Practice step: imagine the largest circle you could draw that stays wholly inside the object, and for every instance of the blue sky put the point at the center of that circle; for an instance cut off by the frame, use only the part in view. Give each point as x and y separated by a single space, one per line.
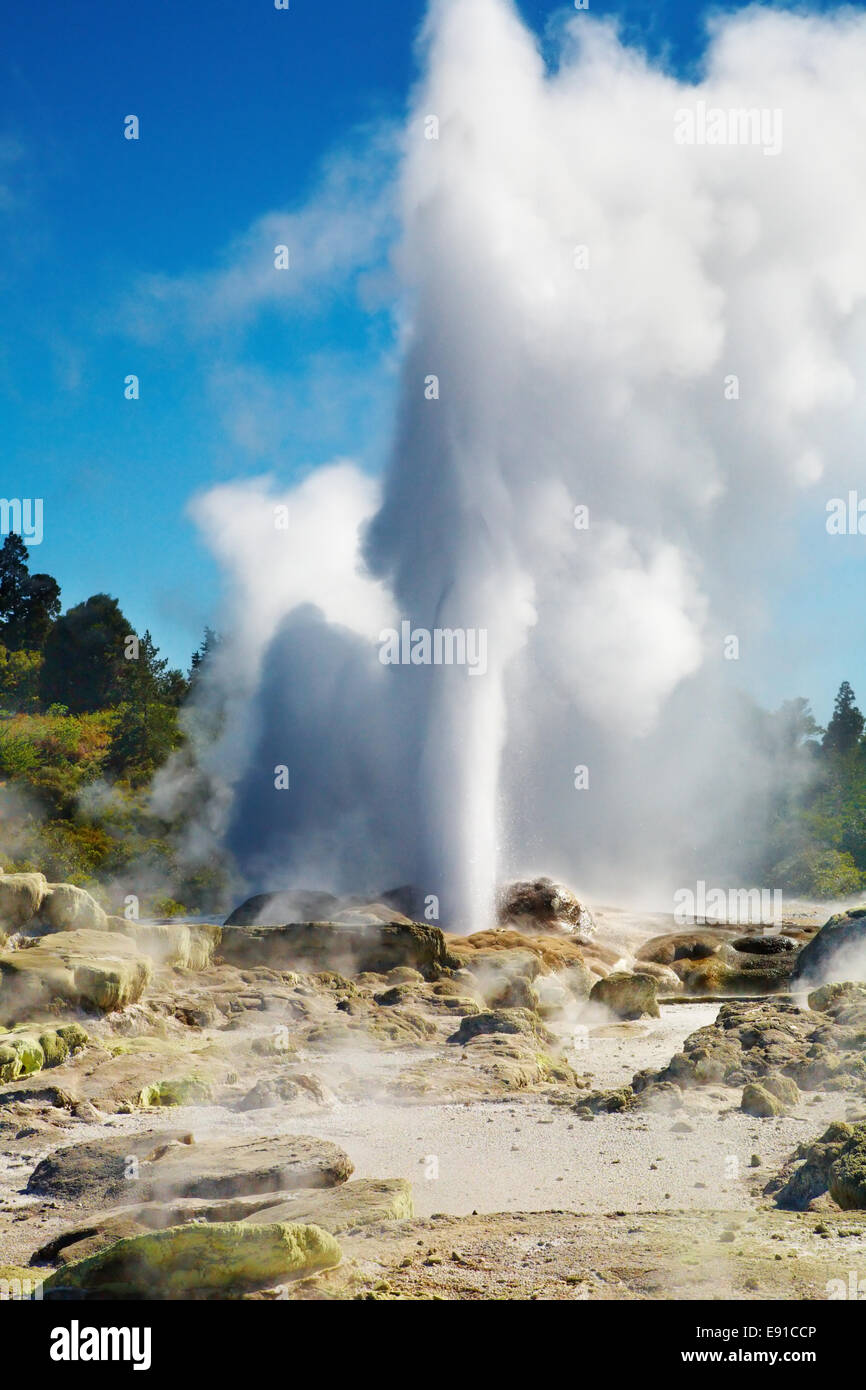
240 107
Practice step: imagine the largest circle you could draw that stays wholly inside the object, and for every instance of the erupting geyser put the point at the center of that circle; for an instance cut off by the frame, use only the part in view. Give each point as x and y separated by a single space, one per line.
613 386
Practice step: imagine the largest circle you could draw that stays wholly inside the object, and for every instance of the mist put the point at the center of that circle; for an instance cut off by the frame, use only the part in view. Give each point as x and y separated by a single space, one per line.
628 370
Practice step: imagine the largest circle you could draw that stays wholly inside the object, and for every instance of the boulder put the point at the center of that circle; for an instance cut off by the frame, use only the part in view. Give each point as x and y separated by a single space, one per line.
359 1203
834 1164
348 950
501 1021
760 1101
29 1049
695 944
188 946
730 970
627 996
66 908
97 971
21 896
847 1175
293 905
538 905
199 1259
159 1166
837 952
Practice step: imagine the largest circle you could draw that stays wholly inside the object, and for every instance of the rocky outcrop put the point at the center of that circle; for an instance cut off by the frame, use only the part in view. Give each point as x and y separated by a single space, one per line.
95 971
30 1049
716 960
348 950
627 996
501 1021
21 896
358 1203
293 905
774 1095
189 946
221 1258
834 1165
157 1166
838 952
67 908
540 905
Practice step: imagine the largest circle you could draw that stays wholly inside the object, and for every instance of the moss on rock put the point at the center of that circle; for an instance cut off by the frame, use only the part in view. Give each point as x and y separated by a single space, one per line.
218 1258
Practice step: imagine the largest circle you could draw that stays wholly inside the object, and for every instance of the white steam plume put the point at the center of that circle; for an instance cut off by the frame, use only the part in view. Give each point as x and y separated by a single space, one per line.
566 378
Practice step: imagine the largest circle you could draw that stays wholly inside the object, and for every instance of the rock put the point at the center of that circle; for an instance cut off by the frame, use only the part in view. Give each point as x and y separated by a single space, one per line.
501 1021
29 1049
98 971
696 944
183 1261
189 946
20 1055
607 1102
847 1175
158 1166
21 896
848 992
627 996
359 1203
293 905
835 1163
667 980
539 905
764 945
179 1090
266 1094
66 908
313 946
837 952
759 1101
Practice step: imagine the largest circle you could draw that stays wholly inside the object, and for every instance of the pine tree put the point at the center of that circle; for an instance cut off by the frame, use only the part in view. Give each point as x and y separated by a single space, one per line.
846 726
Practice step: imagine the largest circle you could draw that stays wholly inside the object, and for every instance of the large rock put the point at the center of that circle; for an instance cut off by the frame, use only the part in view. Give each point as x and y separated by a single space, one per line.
30 1049
97 971
627 996
837 952
774 1095
847 1177
67 908
159 1166
186 945
293 905
185 1261
360 1203
518 1021
347 950
538 905
835 1163
716 960
364 1202
21 896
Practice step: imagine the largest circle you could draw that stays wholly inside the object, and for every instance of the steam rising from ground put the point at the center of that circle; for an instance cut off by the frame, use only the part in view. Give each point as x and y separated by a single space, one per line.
561 384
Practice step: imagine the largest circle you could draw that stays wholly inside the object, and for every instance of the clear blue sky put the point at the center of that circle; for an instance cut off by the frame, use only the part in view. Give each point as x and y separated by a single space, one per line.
239 105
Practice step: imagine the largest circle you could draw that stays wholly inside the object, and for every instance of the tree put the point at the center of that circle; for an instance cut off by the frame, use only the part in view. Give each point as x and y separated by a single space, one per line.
84 656
146 730
846 726
211 643
29 603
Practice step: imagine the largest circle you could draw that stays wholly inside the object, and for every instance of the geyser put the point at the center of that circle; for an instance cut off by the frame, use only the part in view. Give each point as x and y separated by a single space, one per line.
657 338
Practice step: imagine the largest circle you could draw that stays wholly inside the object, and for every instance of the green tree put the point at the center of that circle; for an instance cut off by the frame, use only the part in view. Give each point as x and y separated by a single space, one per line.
29 603
146 729
846 726
84 656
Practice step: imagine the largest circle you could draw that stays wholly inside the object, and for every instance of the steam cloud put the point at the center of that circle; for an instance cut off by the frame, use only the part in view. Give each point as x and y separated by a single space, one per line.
560 386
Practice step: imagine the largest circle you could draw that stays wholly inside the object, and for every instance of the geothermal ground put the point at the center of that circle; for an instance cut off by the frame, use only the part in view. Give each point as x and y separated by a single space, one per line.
367 1108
